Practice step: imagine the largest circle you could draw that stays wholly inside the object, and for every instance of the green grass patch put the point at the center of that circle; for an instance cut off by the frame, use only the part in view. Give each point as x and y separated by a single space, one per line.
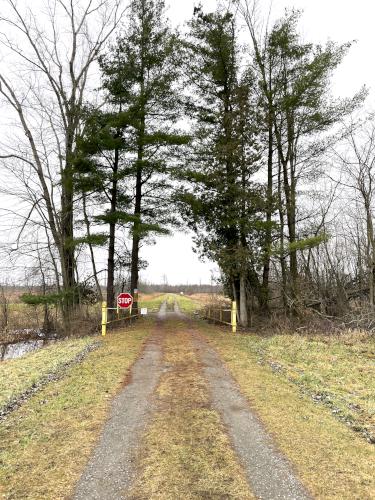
278 373
18 375
153 301
187 304
45 445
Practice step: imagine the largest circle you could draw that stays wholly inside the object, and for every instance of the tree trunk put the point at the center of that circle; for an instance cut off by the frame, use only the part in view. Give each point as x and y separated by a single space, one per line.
92 256
289 186
137 214
371 253
67 230
112 239
243 301
236 295
264 303
282 248
134 277
136 236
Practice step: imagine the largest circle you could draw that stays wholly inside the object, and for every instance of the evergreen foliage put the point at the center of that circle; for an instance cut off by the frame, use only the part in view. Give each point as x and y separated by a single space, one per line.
140 77
201 131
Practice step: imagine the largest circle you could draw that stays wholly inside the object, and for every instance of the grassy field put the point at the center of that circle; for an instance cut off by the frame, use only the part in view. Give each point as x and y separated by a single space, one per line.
281 374
336 371
152 301
186 452
186 303
45 444
18 375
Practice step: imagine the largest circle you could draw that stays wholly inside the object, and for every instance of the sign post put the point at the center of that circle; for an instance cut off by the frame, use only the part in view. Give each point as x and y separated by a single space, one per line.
136 300
124 301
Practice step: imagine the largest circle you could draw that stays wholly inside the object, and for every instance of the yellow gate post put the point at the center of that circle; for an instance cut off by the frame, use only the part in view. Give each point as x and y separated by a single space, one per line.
104 318
234 317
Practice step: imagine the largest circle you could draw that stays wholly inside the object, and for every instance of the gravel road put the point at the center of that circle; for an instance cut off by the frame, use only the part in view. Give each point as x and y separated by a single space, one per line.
269 474
111 469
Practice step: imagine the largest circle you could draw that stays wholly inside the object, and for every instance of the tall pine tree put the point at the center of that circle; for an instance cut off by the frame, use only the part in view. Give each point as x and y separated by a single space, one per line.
100 172
140 76
222 201
303 111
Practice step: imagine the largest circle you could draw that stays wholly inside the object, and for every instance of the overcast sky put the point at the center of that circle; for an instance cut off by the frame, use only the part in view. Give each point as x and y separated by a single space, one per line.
337 20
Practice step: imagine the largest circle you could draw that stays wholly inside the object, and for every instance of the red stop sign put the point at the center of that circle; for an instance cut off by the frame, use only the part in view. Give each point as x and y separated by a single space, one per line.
124 300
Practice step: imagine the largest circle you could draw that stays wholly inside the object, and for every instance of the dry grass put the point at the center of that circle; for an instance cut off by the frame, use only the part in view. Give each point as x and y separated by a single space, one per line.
45 445
337 370
207 298
24 321
146 297
21 316
186 451
331 459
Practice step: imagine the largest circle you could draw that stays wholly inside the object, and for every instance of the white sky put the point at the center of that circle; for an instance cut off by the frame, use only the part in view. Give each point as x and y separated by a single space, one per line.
337 20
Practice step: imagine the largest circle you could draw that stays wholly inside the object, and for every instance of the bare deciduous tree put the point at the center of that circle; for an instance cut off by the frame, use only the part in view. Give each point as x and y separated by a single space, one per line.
357 164
44 78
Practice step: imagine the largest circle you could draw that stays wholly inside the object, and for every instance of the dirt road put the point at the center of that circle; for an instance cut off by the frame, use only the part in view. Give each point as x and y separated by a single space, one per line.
148 448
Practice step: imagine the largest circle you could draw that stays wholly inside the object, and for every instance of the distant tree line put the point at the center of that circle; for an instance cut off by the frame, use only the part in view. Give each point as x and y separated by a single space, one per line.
227 129
185 289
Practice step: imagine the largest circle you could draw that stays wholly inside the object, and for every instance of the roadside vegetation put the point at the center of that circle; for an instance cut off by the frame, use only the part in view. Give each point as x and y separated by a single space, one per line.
19 375
187 304
299 386
336 371
45 444
152 301
21 321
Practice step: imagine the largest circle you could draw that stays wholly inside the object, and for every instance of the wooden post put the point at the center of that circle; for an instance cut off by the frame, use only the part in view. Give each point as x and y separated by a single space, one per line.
104 318
234 317
135 302
221 315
